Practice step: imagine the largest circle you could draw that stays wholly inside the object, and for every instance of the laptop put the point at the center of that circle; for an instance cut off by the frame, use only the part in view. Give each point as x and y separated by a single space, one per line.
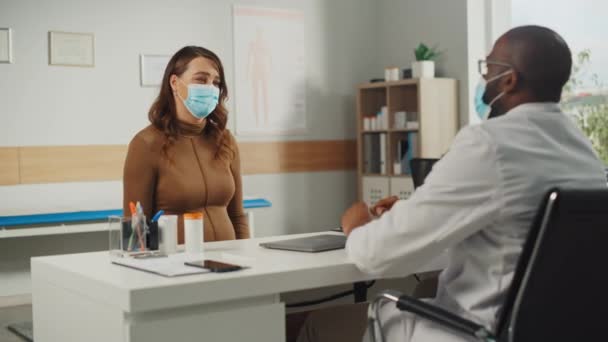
311 244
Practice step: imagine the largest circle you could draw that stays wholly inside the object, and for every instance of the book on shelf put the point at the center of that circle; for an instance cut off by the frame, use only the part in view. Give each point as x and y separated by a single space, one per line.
371 153
412 148
367 153
407 149
383 160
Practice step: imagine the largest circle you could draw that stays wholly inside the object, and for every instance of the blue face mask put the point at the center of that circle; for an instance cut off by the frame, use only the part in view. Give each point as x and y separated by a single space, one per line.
202 99
483 109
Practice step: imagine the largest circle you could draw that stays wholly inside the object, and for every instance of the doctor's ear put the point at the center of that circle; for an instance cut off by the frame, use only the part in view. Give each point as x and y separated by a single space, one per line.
511 82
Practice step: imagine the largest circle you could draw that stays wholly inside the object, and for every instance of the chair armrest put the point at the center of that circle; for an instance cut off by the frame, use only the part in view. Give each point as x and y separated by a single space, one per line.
438 315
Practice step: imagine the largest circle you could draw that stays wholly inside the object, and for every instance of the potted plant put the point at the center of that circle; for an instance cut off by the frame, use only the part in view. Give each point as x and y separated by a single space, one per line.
424 66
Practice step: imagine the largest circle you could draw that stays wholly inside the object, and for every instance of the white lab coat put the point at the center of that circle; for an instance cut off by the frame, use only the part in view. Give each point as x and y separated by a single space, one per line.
479 202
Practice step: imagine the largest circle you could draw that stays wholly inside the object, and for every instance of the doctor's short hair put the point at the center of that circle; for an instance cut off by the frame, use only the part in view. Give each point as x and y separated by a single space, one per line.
543 59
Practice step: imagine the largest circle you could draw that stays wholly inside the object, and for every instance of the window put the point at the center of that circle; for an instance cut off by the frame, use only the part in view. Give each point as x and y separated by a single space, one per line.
583 25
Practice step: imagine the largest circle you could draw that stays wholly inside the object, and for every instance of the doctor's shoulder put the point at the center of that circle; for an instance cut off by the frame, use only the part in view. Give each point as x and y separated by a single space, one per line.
474 134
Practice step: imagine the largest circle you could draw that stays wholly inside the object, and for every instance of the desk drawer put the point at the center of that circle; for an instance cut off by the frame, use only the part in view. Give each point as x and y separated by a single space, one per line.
256 322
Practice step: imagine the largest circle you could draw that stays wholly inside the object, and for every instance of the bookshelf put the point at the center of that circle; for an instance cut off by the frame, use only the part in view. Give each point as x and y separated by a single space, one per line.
387 138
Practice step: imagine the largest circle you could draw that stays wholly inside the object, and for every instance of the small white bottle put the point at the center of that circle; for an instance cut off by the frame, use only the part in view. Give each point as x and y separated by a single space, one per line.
367 124
397 168
394 74
387 75
193 236
167 233
384 111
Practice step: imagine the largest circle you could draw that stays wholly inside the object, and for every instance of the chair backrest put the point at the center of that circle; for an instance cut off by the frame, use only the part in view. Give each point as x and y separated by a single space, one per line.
421 167
559 290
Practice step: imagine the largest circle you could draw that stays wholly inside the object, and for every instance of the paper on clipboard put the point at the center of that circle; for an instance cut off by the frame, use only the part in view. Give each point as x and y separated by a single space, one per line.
170 266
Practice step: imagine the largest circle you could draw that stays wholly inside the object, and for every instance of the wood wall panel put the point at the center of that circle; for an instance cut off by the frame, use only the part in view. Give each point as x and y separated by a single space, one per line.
53 164
9 165
297 156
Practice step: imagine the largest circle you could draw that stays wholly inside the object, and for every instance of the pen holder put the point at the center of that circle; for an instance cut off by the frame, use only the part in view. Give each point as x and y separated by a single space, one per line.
153 238
128 236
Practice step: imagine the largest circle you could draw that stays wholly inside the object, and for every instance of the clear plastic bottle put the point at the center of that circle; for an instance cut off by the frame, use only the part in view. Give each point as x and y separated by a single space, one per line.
193 236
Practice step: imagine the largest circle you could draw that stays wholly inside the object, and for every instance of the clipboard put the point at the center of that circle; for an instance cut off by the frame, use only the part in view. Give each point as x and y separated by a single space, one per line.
169 266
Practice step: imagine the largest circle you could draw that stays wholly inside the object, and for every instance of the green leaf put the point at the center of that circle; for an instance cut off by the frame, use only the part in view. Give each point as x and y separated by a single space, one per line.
424 53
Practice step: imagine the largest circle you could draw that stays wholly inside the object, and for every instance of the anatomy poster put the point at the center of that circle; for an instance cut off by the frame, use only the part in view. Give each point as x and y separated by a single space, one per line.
270 71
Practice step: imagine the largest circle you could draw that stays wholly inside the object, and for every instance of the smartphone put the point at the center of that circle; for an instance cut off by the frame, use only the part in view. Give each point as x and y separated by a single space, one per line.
214 266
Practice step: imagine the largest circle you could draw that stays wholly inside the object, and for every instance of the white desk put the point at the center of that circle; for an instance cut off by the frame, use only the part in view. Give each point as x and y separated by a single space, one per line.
83 297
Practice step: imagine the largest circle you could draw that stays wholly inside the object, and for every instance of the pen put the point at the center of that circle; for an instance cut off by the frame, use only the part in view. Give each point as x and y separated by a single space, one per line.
133 209
133 223
158 215
140 221
148 255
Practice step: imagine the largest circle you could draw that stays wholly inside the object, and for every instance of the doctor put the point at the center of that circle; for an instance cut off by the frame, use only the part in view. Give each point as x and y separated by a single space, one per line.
480 199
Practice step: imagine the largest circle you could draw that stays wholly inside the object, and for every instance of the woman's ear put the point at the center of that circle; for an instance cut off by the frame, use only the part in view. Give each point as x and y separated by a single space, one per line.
173 83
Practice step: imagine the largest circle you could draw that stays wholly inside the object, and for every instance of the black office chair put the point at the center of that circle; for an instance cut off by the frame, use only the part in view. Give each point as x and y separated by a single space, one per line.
559 289
421 167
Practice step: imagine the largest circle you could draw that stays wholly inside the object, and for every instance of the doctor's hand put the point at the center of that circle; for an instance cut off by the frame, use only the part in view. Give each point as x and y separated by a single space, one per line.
383 205
356 216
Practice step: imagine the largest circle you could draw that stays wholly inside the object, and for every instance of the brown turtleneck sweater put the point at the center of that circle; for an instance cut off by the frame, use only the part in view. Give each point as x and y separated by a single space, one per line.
193 180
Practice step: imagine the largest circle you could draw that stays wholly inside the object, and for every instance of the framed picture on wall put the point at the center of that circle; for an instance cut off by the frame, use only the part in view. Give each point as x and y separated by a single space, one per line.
6 53
152 69
71 49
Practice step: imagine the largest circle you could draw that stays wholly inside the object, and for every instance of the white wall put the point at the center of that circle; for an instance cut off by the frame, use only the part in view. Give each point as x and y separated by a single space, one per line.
403 24
498 19
487 20
463 30
50 105
479 44
348 42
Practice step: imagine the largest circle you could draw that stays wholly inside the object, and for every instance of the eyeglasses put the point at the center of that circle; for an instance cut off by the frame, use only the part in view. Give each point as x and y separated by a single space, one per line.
482 66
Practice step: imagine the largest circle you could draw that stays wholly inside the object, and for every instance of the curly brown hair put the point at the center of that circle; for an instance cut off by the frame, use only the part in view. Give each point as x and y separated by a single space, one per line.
163 113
